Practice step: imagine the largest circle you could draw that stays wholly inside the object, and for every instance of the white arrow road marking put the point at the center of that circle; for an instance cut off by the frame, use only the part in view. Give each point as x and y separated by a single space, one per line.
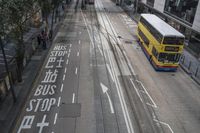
109 70
105 89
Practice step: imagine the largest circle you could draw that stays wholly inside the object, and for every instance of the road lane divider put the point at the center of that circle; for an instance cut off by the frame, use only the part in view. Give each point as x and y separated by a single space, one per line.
136 90
63 77
55 118
161 122
146 92
61 88
67 62
109 70
76 71
73 98
59 101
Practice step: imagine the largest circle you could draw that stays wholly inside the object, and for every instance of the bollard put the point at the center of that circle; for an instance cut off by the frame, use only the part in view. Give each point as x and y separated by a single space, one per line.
196 72
189 65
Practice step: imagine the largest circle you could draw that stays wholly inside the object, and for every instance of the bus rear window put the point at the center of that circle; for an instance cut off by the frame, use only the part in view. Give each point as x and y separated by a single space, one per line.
173 40
166 57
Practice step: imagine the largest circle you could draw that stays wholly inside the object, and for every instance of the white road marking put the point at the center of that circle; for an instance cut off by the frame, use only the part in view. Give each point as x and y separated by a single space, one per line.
58 101
91 40
67 62
65 69
55 118
69 50
76 71
136 90
105 91
100 50
63 77
164 124
68 55
61 88
77 53
109 70
73 98
126 115
70 45
79 42
145 90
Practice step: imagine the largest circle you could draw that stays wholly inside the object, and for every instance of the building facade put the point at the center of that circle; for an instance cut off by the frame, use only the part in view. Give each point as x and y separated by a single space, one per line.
183 15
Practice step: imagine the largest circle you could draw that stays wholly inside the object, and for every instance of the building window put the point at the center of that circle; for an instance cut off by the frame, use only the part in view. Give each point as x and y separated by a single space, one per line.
150 2
182 9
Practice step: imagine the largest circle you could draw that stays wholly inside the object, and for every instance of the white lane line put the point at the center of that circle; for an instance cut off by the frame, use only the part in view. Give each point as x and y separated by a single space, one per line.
79 42
73 98
105 90
164 124
68 55
109 70
154 104
100 50
67 62
58 101
91 40
136 90
55 118
65 69
76 71
69 50
70 45
61 88
63 77
77 53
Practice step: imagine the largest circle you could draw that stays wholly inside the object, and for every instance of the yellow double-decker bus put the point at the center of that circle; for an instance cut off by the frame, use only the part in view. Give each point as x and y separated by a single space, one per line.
161 43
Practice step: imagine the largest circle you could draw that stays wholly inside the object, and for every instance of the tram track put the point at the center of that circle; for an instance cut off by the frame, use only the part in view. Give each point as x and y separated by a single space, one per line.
149 111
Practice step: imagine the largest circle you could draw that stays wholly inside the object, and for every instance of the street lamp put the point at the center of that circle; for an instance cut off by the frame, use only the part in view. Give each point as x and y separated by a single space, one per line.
7 71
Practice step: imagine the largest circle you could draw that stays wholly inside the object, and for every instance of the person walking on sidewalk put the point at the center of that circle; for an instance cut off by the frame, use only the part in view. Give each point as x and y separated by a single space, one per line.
39 39
44 39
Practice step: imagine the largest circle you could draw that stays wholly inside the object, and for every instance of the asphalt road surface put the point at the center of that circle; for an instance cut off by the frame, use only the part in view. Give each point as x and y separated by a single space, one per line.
93 81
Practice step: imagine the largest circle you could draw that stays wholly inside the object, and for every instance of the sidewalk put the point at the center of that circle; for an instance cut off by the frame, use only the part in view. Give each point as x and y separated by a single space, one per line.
189 63
9 111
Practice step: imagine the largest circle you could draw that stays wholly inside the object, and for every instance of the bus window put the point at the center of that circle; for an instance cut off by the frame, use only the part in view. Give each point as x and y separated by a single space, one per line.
166 57
173 40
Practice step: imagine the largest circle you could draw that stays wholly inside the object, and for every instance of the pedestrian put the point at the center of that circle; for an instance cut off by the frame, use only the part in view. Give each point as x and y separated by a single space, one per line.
39 39
44 39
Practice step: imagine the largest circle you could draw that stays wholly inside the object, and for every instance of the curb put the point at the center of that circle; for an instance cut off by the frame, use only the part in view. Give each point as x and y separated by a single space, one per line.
190 74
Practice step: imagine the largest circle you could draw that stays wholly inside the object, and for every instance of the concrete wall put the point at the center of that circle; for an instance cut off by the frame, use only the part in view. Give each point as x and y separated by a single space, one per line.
196 23
159 5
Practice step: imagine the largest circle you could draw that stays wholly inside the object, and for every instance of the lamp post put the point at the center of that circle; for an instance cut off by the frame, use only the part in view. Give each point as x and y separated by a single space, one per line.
7 71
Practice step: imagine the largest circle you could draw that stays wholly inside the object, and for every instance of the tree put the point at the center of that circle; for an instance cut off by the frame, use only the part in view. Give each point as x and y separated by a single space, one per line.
46 8
19 11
